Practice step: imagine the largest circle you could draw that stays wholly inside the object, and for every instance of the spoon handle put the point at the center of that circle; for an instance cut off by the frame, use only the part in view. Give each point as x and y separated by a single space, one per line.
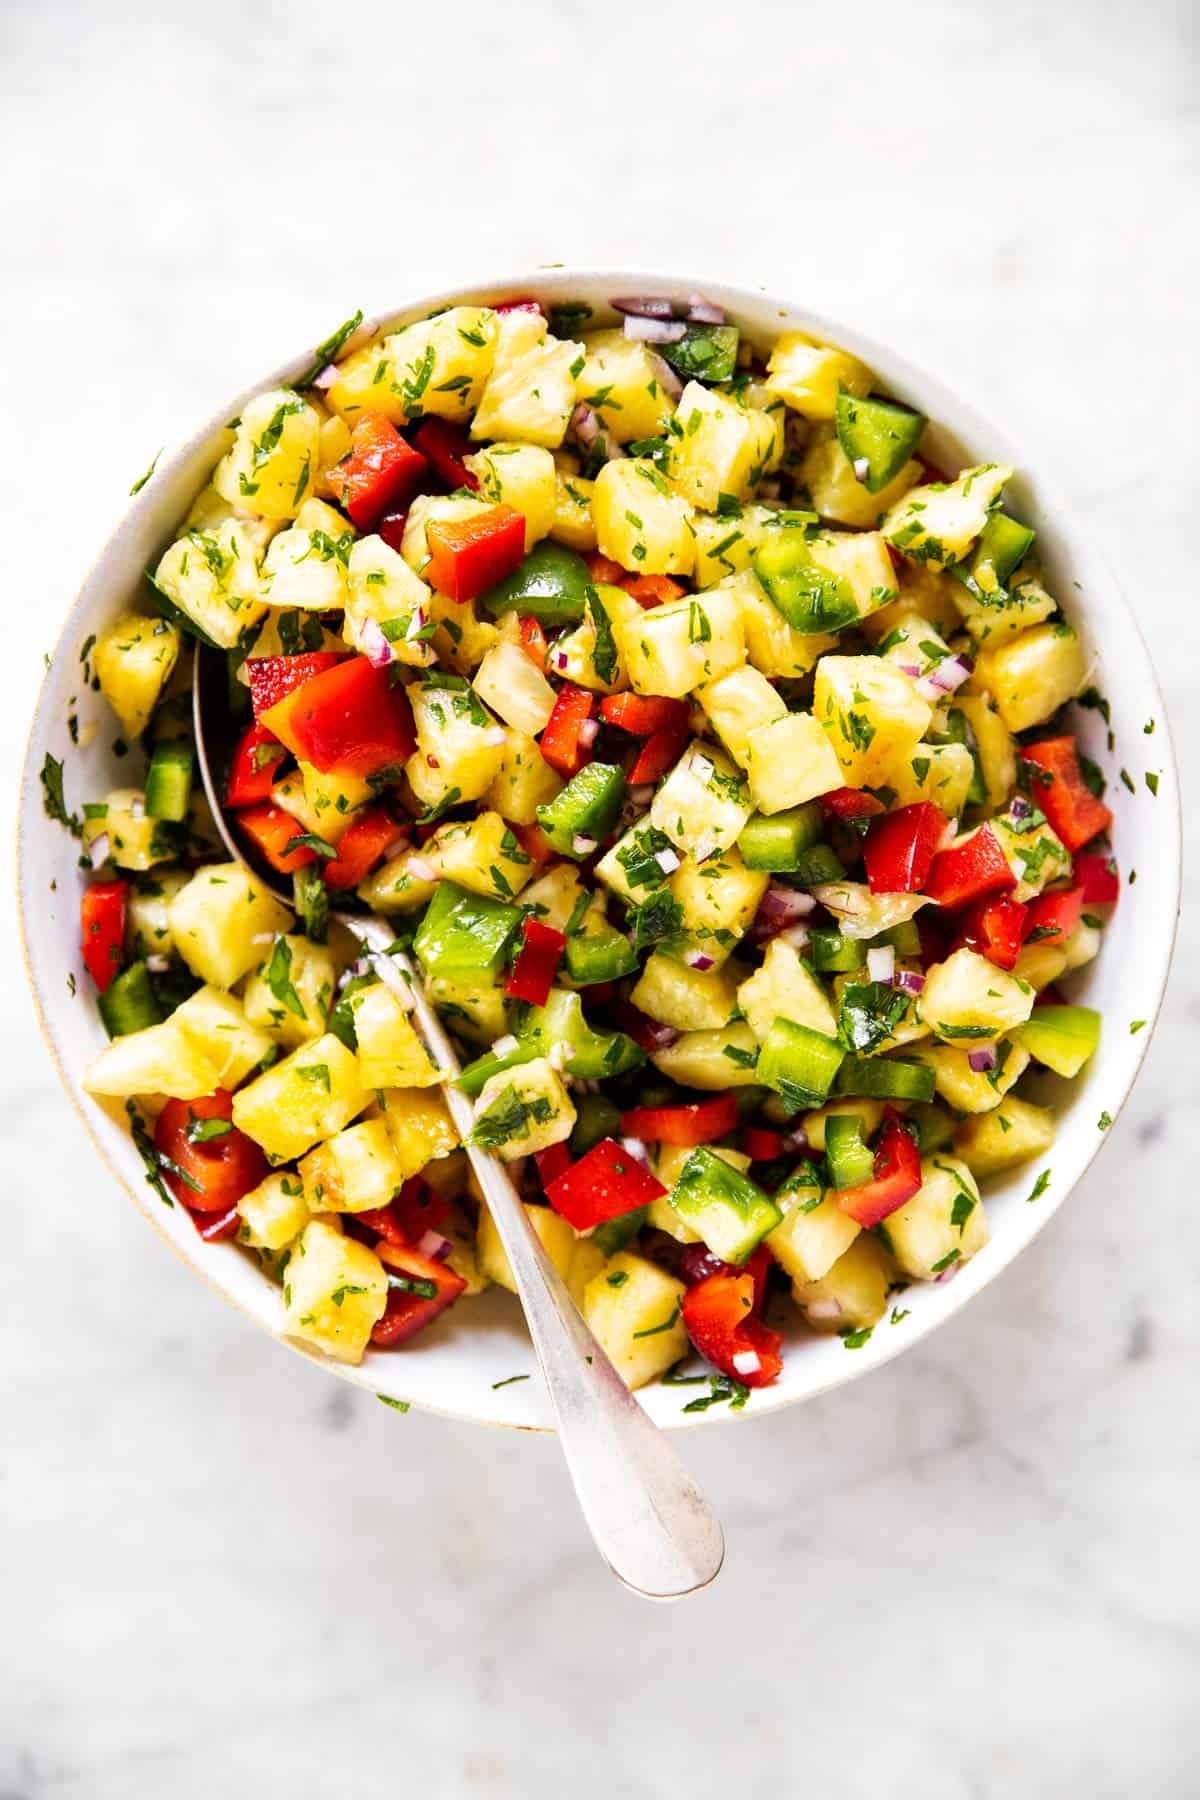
649 1519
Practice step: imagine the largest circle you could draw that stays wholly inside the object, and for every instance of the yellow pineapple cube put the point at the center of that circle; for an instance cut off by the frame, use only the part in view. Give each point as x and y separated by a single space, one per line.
813 1233
637 1320
1034 674
619 381
711 1060
994 747
784 988
397 887
940 773
853 1294
942 1224
332 799
556 1237
213 577
791 761
133 661
680 646
531 398
835 490
290 994
575 652
936 525
459 744
220 920
482 854
335 1290
874 716
929 593
716 447
687 999
554 895
273 1214
717 902
333 447
523 782
522 476
968 997
479 1011
305 566
310 1095
737 704
356 1170
774 647
640 523
419 1125
131 838
968 1090
436 365
514 689
573 522
161 1059
1024 603
809 376
725 544
384 593
272 468
523 1110
703 804
219 1026
390 1053
1012 1133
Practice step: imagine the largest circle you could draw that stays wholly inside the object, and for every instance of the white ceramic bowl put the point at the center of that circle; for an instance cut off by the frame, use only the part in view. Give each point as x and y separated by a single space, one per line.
463 1364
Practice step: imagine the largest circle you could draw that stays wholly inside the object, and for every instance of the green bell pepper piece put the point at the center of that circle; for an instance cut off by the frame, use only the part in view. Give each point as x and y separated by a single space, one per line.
885 1078
465 936
604 954
551 585
833 954
879 433
706 353
810 598
851 1160
595 1117
777 842
799 1063
129 1003
586 808
723 1206
592 1055
169 780
1061 1037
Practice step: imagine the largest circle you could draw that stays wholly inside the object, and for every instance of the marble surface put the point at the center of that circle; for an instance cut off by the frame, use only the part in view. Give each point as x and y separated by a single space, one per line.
972 1575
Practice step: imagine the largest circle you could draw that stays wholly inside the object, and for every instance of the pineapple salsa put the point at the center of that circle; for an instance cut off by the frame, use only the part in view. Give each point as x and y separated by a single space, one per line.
709 748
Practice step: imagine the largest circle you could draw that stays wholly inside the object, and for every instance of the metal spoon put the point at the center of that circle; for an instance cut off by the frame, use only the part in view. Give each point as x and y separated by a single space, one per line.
649 1520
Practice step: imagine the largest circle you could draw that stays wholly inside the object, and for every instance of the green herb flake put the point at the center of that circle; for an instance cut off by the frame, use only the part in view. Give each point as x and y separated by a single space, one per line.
1039 1186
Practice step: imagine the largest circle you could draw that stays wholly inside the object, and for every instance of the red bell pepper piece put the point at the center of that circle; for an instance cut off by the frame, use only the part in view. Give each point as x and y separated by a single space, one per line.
899 848
254 767
206 1174
658 754
537 962
102 923
850 803
1075 813
349 719
605 1183
970 871
702 1123
603 569
552 1163
534 843
416 1209
761 1144
273 677
419 1288
533 641
468 556
1053 917
720 1320
1098 877
643 714
559 742
652 590
214 1227
996 929
444 447
897 1177
648 1034
360 847
271 831
391 529
379 471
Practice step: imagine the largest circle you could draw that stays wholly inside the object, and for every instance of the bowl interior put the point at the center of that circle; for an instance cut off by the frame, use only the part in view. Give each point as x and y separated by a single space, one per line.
465 1364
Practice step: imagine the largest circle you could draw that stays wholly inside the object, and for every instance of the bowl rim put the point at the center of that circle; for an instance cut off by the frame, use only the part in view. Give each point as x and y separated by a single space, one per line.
900 372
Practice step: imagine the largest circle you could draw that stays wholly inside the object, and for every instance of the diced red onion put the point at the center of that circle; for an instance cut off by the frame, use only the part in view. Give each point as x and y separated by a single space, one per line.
137 809
647 306
881 963
667 860
588 732
911 669
421 868
704 312
665 375
824 1310
393 978
557 1056
779 908
327 377
746 1362
704 847
434 1245
581 845
504 1045
374 645
795 935
983 1060
950 1273
561 660
98 850
397 847
862 468
797 1140
1019 807
642 795
262 937
949 675
495 736
158 965
908 981
654 1035
586 425
698 959
636 1147
415 625
653 331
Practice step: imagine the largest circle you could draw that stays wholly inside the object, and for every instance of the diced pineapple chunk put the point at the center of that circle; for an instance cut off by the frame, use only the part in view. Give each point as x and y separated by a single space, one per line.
576 652
213 577
784 988
1040 964
133 840
927 592
334 1293
523 782
791 761
522 476
532 397
331 800
333 447
969 998
390 1053
620 383
940 773
463 1256
554 895
873 714
162 1059
770 415
289 995
1033 850
514 689
217 918
936 525
809 376
942 1224
716 447
1012 1133
711 1060
481 854
813 1233
1034 674
773 646
835 490
133 661
1010 610
396 887
640 523
419 1125
274 1213
725 544
272 468
523 1110
456 749
686 999
677 647
357 1169
556 1237
853 1294
305 566
218 1024
993 745
148 925
637 1321
310 1095
717 901
478 1011
1082 946
966 1089
703 804
382 591
737 704
573 521
436 365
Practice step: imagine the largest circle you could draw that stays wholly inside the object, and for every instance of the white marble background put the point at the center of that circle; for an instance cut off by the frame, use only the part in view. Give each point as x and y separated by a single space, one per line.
972 1575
